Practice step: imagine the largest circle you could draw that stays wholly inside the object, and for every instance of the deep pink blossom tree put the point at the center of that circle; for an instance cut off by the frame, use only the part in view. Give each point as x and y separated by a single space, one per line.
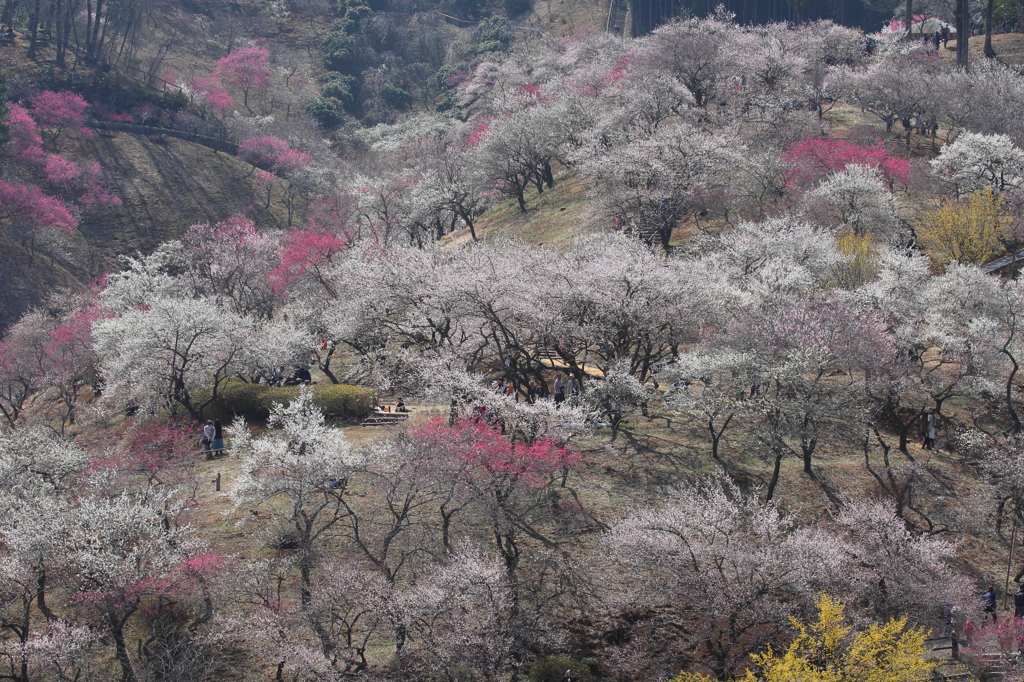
512 487
306 255
83 183
25 139
28 203
245 69
58 112
212 95
814 158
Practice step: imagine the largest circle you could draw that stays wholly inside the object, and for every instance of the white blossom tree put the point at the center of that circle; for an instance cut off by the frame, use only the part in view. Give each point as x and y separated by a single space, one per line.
167 352
300 471
976 161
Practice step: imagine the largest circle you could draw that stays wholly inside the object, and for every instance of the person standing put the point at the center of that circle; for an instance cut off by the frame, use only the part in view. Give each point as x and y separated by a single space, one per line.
1018 601
573 387
568 677
989 601
208 433
559 390
929 439
218 438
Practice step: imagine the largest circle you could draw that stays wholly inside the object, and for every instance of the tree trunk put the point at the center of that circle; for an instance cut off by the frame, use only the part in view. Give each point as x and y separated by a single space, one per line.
117 631
808 450
775 476
88 30
7 16
716 434
33 35
1016 427
989 52
95 44
963 32
908 16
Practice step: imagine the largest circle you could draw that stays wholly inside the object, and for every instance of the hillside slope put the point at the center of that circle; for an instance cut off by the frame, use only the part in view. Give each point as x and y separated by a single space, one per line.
165 185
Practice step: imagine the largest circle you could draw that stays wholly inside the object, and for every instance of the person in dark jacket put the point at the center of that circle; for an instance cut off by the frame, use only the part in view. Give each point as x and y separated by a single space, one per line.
989 600
1018 601
218 438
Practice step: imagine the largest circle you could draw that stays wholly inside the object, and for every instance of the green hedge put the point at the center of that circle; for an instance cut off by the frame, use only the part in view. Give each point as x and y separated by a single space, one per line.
253 401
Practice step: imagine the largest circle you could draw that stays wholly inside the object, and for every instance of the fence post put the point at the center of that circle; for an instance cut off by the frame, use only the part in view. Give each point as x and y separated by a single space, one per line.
217 482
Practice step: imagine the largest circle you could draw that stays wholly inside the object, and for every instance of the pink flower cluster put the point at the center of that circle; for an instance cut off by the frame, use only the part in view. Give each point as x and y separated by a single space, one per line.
814 158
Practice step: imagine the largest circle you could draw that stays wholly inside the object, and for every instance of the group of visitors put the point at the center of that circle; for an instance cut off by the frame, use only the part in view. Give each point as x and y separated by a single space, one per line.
935 37
563 388
300 377
926 126
380 407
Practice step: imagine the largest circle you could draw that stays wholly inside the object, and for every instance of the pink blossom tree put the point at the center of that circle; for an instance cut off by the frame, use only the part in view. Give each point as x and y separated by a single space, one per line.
814 158
274 153
212 95
70 364
306 255
798 349
22 353
25 138
246 68
230 260
512 488
264 181
58 112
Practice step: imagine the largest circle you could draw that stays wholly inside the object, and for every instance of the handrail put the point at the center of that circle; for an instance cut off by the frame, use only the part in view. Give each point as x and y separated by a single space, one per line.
198 138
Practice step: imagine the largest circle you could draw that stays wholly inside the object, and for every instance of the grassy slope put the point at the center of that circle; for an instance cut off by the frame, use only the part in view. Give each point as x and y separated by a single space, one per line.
166 185
554 217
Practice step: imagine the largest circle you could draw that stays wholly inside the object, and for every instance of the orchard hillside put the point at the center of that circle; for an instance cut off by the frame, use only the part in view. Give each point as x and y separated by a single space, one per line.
463 341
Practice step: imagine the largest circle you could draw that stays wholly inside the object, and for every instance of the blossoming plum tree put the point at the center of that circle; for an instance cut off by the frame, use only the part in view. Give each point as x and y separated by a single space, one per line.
246 68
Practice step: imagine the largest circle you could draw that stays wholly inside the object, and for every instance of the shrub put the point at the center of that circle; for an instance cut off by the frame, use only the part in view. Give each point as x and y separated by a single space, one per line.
966 231
448 102
337 49
497 30
253 401
325 110
339 87
552 668
396 98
